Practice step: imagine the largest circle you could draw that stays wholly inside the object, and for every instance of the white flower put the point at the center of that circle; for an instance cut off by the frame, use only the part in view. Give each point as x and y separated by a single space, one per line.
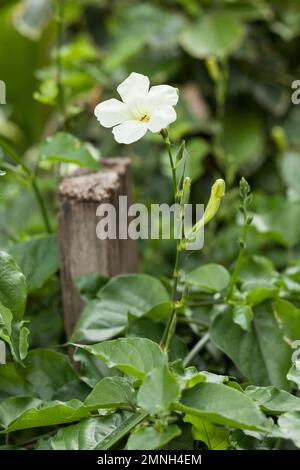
141 109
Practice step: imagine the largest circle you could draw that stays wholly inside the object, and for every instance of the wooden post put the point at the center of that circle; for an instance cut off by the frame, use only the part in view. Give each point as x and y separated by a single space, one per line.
81 252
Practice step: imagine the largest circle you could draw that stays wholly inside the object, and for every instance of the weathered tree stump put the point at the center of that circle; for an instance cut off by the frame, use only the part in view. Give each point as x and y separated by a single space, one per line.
81 252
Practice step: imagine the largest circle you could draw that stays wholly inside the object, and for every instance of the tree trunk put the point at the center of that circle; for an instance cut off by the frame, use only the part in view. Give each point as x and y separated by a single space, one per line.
81 252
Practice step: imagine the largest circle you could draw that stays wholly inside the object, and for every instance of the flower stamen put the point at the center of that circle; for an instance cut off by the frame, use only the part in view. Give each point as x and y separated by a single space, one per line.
145 118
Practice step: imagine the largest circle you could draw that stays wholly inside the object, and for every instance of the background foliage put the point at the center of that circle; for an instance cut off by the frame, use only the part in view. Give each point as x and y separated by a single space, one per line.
234 62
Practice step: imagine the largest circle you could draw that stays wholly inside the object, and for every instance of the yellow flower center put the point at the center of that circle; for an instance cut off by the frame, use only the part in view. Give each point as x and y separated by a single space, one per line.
145 118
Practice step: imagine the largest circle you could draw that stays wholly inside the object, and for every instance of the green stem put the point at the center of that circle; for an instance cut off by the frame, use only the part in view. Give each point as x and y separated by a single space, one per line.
237 269
59 42
123 431
41 204
196 349
171 323
31 178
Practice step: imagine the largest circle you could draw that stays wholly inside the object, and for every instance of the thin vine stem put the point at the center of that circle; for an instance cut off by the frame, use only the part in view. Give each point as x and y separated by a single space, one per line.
32 180
59 70
172 320
196 349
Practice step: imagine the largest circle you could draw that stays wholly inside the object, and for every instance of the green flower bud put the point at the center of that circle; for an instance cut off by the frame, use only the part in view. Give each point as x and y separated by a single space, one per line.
217 192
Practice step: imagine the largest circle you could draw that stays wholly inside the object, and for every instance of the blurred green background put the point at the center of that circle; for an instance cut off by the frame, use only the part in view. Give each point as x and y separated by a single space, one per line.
233 61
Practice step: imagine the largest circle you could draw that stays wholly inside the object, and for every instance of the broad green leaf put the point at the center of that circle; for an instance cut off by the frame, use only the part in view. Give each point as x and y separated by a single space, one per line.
294 375
133 294
146 328
262 355
221 404
89 286
273 218
149 438
37 258
191 377
212 277
91 369
47 375
93 433
134 356
5 319
260 294
289 317
111 392
158 391
218 34
243 141
257 268
41 414
215 437
12 408
13 290
290 169
273 400
242 315
289 425
64 147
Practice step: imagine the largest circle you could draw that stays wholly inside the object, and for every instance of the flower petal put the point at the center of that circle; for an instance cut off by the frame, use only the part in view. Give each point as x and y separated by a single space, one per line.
130 131
111 112
163 95
161 118
134 85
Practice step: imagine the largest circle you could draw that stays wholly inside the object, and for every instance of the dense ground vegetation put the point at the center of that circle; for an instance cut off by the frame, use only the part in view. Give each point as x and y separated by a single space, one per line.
228 380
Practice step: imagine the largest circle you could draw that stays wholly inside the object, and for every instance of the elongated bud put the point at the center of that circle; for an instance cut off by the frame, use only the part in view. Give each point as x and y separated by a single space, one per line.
213 68
185 195
217 192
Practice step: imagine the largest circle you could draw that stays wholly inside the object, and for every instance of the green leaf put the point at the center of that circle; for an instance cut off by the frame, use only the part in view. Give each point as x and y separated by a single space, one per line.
47 375
37 258
149 438
91 369
224 405
40 414
242 315
273 400
218 34
64 147
243 141
260 294
294 375
93 433
13 290
261 354
23 342
111 392
190 376
133 294
289 425
215 437
212 277
257 268
6 318
290 169
158 391
289 316
134 356
89 286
